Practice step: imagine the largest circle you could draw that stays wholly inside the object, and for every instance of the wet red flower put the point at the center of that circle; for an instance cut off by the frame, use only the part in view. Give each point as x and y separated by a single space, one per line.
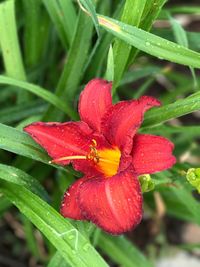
105 146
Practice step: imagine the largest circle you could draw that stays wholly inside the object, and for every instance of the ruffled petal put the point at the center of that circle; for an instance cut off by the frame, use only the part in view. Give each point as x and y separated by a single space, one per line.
61 139
114 204
152 154
122 120
69 206
94 102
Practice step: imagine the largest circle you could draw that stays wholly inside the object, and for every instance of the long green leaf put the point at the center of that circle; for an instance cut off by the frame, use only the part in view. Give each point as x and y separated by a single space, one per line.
90 7
64 17
181 204
73 69
150 43
18 177
9 41
21 111
57 261
9 44
36 28
177 109
20 143
37 90
122 252
132 15
74 248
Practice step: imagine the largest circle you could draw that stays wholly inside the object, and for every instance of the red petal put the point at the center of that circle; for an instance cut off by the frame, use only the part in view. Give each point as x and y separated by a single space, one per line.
69 206
114 204
122 120
94 102
61 139
152 154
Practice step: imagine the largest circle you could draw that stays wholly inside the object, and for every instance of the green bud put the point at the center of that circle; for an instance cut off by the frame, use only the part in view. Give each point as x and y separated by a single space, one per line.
146 183
193 177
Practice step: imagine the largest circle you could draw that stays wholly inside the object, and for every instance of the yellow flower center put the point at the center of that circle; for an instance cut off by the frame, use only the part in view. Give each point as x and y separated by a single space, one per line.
105 160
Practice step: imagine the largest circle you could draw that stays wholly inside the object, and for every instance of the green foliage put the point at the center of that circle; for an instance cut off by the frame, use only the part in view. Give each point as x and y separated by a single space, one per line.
48 51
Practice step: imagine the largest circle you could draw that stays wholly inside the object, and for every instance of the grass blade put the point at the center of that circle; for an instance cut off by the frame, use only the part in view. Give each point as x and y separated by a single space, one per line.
150 43
73 247
37 90
122 252
18 177
64 17
177 109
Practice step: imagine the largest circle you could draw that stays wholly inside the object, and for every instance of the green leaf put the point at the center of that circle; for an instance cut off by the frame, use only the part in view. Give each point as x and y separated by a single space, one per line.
36 29
150 43
73 69
16 176
109 75
184 9
73 247
21 111
181 38
37 90
57 261
9 41
177 109
90 8
122 252
136 74
9 44
131 15
64 17
180 203
20 143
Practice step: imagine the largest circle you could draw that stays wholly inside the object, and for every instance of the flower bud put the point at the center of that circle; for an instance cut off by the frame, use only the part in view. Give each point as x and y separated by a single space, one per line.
193 177
146 183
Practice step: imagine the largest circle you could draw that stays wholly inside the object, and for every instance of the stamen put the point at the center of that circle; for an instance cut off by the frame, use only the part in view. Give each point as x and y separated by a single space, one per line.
67 158
94 143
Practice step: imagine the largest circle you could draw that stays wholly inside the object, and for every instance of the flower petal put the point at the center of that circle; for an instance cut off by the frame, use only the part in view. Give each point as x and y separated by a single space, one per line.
152 154
114 204
61 139
94 102
122 120
69 206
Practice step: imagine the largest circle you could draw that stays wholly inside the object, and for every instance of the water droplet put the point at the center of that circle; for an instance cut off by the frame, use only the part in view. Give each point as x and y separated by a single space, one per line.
147 43
86 247
71 237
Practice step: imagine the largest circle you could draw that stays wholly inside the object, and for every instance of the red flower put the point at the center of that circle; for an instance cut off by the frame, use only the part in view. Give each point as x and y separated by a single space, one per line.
105 146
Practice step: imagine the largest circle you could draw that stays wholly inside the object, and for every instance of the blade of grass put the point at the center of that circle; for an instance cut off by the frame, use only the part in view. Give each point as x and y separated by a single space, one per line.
32 31
181 38
132 15
57 261
18 177
179 108
73 247
37 90
20 143
121 251
10 44
150 43
73 69
109 75
64 17
90 7
19 112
